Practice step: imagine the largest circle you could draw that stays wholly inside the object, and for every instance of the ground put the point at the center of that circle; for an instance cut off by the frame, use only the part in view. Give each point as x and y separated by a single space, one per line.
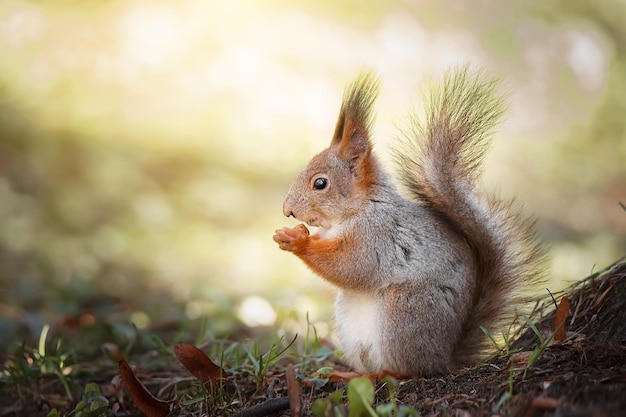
584 374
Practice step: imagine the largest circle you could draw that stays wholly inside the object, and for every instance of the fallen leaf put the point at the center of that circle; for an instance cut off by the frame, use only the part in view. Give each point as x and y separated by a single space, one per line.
338 376
520 357
384 374
146 402
198 363
294 390
542 404
117 386
559 319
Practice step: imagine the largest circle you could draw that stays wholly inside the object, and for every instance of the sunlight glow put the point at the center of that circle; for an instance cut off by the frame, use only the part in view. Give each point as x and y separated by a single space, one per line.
22 26
586 59
256 311
153 37
140 319
157 140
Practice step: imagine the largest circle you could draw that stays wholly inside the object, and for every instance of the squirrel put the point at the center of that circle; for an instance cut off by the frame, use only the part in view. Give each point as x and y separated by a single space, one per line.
417 276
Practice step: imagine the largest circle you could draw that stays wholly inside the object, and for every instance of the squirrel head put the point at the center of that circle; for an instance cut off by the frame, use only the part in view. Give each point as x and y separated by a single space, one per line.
337 182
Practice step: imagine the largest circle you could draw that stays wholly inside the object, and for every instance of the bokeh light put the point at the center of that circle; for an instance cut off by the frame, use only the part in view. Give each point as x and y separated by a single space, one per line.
146 146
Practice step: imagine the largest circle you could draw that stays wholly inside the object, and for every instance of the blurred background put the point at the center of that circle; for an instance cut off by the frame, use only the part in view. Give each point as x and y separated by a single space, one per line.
146 146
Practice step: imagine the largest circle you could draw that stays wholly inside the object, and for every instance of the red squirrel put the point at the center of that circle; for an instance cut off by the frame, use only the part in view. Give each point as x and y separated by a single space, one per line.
417 276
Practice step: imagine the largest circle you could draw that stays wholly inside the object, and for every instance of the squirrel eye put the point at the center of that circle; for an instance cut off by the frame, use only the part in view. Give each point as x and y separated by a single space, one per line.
320 183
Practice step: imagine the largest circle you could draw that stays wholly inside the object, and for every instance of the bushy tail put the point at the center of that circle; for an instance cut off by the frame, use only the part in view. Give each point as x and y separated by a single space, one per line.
447 148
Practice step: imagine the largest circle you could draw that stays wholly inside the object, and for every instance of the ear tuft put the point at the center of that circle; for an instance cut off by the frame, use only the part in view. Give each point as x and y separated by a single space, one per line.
355 116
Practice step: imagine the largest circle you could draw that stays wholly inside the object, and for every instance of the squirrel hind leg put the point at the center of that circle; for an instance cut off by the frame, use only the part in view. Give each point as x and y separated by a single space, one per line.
418 335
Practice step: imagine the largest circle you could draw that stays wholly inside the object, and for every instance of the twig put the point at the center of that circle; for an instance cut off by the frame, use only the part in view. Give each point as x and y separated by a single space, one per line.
265 408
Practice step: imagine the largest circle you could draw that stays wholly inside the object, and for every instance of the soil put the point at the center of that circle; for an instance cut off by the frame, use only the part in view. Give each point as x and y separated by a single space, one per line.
582 375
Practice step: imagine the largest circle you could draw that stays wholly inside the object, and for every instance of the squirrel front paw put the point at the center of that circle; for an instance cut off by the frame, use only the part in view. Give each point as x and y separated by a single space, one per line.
292 238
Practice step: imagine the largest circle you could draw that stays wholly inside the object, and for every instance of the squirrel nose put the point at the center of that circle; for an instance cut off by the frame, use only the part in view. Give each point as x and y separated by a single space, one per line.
287 211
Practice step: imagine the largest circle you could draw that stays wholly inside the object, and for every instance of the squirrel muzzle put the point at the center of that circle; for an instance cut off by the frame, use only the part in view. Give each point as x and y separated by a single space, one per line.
287 209
294 204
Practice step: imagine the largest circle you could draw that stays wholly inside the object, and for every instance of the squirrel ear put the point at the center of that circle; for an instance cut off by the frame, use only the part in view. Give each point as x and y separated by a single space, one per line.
355 116
355 148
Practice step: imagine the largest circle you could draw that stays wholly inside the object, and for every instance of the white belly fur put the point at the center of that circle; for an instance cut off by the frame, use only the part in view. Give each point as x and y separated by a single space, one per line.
358 330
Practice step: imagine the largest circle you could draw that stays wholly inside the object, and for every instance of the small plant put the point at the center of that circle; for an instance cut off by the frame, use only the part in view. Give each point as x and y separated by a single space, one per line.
214 394
361 397
507 394
93 404
310 343
18 372
53 363
263 362
506 351
392 409
30 366
360 402
543 342
329 406
311 349
506 337
214 397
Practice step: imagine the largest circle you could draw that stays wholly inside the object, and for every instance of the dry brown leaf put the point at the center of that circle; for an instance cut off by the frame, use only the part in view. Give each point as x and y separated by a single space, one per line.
559 319
294 391
198 363
146 402
542 404
338 376
520 357
118 390
385 373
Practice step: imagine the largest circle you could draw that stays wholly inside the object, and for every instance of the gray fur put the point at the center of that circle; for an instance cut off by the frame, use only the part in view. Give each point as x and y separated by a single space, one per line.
416 278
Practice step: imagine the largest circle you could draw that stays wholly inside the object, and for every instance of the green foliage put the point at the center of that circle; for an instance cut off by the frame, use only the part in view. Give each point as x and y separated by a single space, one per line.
262 362
392 408
506 337
31 366
507 395
492 340
93 404
53 362
311 351
19 374
503 399
505 349
212 399
361 396
543 342
329 406
311 339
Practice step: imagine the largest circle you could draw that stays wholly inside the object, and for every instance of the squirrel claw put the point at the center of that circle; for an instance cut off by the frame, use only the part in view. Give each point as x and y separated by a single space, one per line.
291 238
